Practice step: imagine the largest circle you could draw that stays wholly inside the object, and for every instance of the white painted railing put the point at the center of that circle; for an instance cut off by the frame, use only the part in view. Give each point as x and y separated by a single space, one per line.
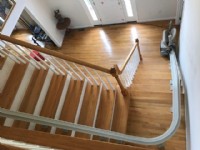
176 109
128 74
11 56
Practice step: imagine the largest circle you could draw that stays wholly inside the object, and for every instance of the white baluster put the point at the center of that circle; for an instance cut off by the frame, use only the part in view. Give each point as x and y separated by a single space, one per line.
97 108
17 57
40 60
102 81
10 56
52 66
96 82
108 80
27 54
82 73
55 66
63 67
24 57
72 70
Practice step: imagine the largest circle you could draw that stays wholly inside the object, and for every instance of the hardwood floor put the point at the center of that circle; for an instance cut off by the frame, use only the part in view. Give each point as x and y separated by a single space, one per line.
150 100
150 105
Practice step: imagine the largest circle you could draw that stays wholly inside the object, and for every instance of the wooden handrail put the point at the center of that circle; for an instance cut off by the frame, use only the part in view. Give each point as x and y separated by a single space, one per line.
119 71
53 53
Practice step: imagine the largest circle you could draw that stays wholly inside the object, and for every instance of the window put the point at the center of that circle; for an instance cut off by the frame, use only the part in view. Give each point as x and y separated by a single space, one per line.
91 10
129 9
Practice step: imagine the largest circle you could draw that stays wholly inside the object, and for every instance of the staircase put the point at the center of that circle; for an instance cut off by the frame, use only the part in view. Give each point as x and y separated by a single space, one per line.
69 92
62 90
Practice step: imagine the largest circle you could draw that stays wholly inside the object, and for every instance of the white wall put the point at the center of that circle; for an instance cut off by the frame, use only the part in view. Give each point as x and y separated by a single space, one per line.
41 13
151 10
72 9
13 19
190 64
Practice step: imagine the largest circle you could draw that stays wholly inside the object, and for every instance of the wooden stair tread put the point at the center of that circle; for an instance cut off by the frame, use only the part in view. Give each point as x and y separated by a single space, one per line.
32 95
11 87
2 61
71 103
88 108
120 117
106 110
52 99
152 81
154 72
151 88
154 67
60 141
153 75
150 95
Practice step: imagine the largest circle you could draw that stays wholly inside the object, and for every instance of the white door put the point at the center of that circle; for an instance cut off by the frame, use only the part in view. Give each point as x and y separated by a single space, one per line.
109 11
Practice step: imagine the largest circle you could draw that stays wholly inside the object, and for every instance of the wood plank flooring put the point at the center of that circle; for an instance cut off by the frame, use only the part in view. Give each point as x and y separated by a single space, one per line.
150 99
150 104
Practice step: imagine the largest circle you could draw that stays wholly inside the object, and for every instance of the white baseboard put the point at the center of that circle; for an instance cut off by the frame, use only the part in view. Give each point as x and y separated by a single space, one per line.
187 116
187 123
155 19
79 27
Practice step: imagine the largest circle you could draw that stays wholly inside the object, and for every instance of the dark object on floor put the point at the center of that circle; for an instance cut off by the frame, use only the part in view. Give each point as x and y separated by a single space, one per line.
63 23
167 44
35 41
39 34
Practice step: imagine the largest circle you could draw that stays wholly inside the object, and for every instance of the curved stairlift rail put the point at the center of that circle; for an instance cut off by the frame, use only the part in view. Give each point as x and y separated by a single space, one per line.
159 140
123 81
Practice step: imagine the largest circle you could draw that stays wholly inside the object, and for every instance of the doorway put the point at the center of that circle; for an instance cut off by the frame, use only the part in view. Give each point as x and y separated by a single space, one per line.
111 11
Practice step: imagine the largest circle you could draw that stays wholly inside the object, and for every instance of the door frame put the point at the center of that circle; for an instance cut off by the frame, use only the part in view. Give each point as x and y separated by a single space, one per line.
100 16
179 11
93 23
127 19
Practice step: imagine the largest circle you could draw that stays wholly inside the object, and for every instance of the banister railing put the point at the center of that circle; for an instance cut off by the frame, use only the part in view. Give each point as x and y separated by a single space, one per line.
123 76
120 71
53 53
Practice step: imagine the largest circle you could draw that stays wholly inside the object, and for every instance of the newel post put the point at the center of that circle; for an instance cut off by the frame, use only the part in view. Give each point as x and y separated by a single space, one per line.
114 73
138 46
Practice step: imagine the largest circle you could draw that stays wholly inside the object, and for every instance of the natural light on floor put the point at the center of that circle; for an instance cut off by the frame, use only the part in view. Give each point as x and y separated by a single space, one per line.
134 34
105 40
91 10
128 8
